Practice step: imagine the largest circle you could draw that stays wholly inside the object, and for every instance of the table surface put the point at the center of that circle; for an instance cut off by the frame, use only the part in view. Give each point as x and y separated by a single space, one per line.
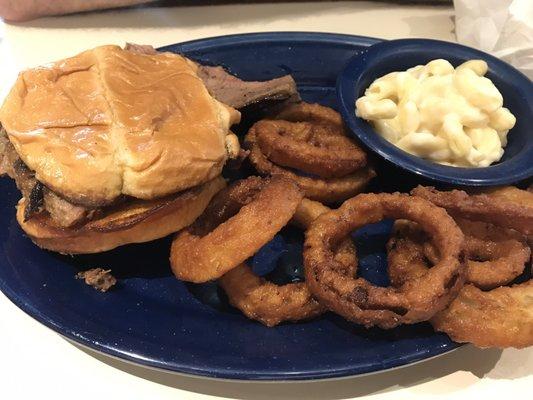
38 363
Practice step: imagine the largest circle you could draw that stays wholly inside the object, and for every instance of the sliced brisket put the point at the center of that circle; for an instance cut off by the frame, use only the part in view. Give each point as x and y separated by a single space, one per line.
140 48
231 90
3 143
24 178
39 197
237 93
63 213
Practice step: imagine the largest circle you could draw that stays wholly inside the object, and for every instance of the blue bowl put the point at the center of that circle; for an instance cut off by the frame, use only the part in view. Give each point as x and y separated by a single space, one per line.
398 55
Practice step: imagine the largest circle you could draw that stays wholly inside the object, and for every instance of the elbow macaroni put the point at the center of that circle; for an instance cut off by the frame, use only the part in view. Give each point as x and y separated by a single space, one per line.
452 116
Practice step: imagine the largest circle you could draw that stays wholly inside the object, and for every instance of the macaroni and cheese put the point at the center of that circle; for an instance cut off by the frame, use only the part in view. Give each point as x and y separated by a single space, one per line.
452 116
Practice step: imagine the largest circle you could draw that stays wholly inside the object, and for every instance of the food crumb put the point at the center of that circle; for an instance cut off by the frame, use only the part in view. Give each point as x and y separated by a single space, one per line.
98 278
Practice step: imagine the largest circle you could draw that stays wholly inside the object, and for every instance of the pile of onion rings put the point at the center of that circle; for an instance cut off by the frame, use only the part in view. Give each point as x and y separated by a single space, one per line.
217 244
272 304
307 143
453 257
494 256
485 312
431 256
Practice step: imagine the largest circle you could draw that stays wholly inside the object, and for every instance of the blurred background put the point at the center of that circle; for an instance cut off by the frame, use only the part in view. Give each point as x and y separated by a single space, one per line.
23 10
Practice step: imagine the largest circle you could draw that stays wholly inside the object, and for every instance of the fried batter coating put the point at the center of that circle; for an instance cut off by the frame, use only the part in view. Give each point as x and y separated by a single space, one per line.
512 194
307 212
493 208
267 302
314 162
313 148
406 257
314 113
502 317
493 264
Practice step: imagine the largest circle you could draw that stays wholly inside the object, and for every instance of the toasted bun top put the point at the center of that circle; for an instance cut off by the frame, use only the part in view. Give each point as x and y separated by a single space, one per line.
109 122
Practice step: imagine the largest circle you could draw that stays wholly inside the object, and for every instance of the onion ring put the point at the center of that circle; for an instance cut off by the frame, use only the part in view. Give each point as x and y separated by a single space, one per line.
492 264
272 304
323 190
267 302
358 300
486 231
214 244
307 212
481 207
314 113
406 257
502 317
312 148
489 263
512 194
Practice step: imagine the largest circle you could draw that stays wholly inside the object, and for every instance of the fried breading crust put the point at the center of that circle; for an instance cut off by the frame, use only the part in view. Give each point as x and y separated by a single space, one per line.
481 207
502 317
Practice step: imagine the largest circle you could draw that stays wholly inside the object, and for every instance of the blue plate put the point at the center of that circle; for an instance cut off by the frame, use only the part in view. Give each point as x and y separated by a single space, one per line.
153 319
398 55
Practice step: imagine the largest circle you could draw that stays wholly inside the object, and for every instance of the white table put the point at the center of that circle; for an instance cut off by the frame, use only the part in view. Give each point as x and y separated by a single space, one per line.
37 363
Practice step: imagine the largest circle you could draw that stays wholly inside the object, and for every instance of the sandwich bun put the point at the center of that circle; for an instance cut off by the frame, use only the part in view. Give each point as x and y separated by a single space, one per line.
110 122
132 222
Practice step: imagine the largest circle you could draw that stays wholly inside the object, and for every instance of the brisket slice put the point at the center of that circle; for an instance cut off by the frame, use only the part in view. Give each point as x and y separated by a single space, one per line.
64 213
230 90
3 160
24 178
233 91
140 48
39 197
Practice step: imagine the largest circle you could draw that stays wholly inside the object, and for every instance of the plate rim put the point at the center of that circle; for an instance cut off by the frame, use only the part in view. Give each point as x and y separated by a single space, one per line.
217 372
217 41
213 374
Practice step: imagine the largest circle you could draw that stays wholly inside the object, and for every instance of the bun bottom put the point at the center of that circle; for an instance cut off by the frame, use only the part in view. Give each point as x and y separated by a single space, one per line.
132 222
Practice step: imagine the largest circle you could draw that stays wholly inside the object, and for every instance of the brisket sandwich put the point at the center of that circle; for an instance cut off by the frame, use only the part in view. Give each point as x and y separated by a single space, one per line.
117 146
